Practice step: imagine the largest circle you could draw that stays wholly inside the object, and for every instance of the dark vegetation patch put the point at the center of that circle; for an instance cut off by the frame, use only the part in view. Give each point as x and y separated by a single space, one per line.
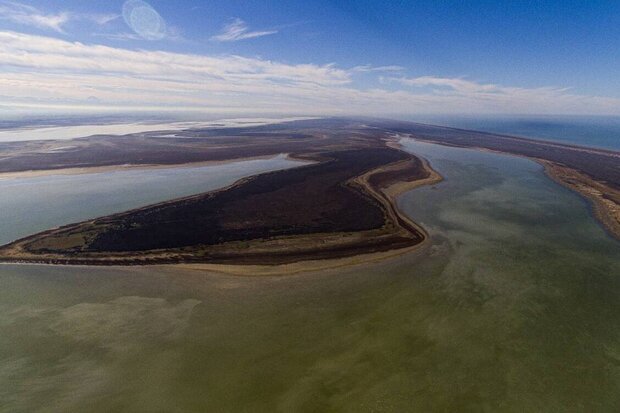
305 200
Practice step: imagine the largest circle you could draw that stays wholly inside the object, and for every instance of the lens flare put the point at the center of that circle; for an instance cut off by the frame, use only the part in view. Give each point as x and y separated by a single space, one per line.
144 20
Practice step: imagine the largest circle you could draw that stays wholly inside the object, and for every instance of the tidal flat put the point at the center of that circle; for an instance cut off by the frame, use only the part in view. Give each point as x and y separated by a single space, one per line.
511 307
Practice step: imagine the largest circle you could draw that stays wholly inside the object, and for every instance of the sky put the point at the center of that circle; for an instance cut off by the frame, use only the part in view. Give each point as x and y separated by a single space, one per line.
323 57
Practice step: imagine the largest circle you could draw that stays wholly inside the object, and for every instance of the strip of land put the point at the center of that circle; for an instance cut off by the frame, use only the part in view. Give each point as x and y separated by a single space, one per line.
342 207
111 168
605 199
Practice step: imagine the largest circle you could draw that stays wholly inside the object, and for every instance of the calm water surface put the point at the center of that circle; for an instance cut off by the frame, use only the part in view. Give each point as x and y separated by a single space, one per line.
30 205
593 131
513 307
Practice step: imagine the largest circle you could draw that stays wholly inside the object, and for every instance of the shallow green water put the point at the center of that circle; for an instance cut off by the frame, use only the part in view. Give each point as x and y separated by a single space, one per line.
514 307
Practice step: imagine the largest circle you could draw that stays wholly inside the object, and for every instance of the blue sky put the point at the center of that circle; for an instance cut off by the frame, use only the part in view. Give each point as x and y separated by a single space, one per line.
315 57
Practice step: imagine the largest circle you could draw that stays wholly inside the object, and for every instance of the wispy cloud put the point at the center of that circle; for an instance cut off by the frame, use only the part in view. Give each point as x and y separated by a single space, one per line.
100 19
31 16
238 30
370 68
40 71
460 88
454 84
27 15
119 36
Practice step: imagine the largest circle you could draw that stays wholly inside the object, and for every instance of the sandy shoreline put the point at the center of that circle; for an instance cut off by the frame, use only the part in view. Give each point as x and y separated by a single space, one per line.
299 266
605 200
249 270
391 193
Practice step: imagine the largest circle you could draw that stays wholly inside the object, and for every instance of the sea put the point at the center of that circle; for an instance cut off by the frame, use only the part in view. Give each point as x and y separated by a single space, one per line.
594 131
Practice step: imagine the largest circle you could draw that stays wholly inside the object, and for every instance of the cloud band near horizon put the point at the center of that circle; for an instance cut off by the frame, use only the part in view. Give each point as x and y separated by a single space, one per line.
42 71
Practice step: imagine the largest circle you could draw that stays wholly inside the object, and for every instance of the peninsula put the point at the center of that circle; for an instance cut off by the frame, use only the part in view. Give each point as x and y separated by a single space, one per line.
342 204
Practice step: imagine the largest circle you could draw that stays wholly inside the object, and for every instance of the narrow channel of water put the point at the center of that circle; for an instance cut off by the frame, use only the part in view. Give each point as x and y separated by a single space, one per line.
33 204
513 307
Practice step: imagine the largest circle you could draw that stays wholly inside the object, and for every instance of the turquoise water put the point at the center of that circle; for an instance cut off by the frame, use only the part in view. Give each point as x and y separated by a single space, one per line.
30 205
512 307
596 131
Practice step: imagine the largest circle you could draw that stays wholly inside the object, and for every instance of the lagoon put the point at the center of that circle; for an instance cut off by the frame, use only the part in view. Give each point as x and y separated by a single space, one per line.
33 204
511 307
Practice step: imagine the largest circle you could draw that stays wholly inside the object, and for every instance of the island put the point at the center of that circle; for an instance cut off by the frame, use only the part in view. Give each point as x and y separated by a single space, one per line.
342 203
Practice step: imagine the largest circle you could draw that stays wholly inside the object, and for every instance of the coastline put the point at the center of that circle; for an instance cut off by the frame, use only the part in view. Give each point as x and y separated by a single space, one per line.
605 201
395 189
298 267
386 195
289 240
605 207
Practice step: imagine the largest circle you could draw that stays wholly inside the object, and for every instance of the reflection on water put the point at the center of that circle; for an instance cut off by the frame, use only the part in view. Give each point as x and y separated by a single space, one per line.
514 307
30 205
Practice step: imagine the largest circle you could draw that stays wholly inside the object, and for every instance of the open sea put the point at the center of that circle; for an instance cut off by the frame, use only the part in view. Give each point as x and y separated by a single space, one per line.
595 131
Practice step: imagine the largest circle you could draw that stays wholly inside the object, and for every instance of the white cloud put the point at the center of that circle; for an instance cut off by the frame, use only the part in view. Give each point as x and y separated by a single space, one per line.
55 55
27 15
456 84
100 19
488 94
370 68
238 30
468 87
31 16
40 71
119 36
